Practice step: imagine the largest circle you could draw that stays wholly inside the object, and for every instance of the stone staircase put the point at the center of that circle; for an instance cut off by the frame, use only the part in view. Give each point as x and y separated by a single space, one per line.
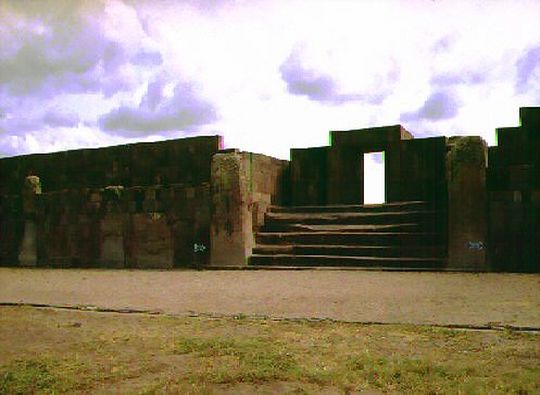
407 235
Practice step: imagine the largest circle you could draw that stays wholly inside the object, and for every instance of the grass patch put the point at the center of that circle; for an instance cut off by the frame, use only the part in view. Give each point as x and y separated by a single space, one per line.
27 376
241 360
157 354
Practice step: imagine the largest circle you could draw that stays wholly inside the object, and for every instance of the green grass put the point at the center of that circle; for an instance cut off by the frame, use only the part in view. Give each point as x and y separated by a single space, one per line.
27 376
241 360
46 353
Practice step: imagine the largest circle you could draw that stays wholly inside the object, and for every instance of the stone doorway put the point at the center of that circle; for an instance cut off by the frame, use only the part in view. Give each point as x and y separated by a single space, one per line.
374 178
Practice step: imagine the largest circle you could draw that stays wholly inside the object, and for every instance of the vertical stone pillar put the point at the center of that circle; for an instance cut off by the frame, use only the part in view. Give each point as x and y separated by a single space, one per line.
345 175
231 234
112 228
28 251
467 203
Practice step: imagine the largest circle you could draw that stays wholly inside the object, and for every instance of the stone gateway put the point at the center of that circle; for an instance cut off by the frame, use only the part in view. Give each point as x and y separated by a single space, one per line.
450 203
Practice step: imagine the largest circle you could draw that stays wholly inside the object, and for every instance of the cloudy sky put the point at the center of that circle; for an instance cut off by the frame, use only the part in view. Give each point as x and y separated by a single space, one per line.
266 74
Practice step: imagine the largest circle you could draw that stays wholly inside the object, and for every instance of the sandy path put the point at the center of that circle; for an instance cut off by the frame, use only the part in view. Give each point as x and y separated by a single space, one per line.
405 297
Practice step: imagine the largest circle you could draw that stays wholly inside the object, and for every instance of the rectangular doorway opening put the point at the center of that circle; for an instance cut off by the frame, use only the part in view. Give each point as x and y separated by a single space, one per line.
374 178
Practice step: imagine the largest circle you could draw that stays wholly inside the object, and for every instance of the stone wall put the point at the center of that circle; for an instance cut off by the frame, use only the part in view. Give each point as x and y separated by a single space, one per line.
423 171
184 202
467 203
138 227
120 206
308 177
243 186
415 168
181 161
11 228
136 206
513 183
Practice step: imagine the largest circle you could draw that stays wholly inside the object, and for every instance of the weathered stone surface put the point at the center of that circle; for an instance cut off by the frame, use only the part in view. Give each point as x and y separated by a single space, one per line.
372 139
28 249
530 121
150 242
167 162
308 176
11 229
28 254
112 230
345 171
467 203
32 188
231 225
243 186
513 179
178 203
422 172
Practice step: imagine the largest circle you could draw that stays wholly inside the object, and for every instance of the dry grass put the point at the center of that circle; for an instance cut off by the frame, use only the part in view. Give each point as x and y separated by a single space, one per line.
58 351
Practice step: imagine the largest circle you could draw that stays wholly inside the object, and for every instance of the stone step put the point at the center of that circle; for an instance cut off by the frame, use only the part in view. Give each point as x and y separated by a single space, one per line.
349 238
392 217
356 261
348 250
395 206
291 227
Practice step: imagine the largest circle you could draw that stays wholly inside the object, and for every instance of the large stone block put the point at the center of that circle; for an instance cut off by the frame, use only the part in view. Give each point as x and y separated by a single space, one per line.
369 139
345 176
467 203
53 173
308 176
112 229
508 156
513 136
520 177
530 121
422 173
513 177
11 229
231 226
150 243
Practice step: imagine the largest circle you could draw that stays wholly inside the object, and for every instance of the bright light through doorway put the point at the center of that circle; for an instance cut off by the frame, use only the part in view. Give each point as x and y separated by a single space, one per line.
374 191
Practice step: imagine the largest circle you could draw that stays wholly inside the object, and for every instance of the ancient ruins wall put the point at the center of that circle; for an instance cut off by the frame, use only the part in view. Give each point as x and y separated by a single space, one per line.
138 227
467 203
423 170
181 161
513 182
138 205
308 175
243 186
183 202
267 185
345 162
11 228
415 168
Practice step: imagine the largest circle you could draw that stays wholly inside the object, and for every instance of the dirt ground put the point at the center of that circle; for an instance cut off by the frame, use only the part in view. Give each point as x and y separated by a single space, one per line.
57 351
358 296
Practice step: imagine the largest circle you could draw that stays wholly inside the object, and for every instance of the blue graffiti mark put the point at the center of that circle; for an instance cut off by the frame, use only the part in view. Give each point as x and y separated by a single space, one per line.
199 247
475 245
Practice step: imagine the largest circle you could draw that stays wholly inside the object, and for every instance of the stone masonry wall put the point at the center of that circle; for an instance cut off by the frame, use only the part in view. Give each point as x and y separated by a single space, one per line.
138 205
181 161
467 203
11 228
243 186
513 183
183 202
139 227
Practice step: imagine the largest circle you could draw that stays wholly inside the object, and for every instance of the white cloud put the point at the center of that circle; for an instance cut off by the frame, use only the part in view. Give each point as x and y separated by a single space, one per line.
268 74
183 110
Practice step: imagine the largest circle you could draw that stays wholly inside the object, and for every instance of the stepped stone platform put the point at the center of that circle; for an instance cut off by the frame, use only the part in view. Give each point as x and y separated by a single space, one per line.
394 235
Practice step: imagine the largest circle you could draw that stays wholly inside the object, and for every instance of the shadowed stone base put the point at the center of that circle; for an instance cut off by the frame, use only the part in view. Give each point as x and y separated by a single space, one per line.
467 199
28 256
